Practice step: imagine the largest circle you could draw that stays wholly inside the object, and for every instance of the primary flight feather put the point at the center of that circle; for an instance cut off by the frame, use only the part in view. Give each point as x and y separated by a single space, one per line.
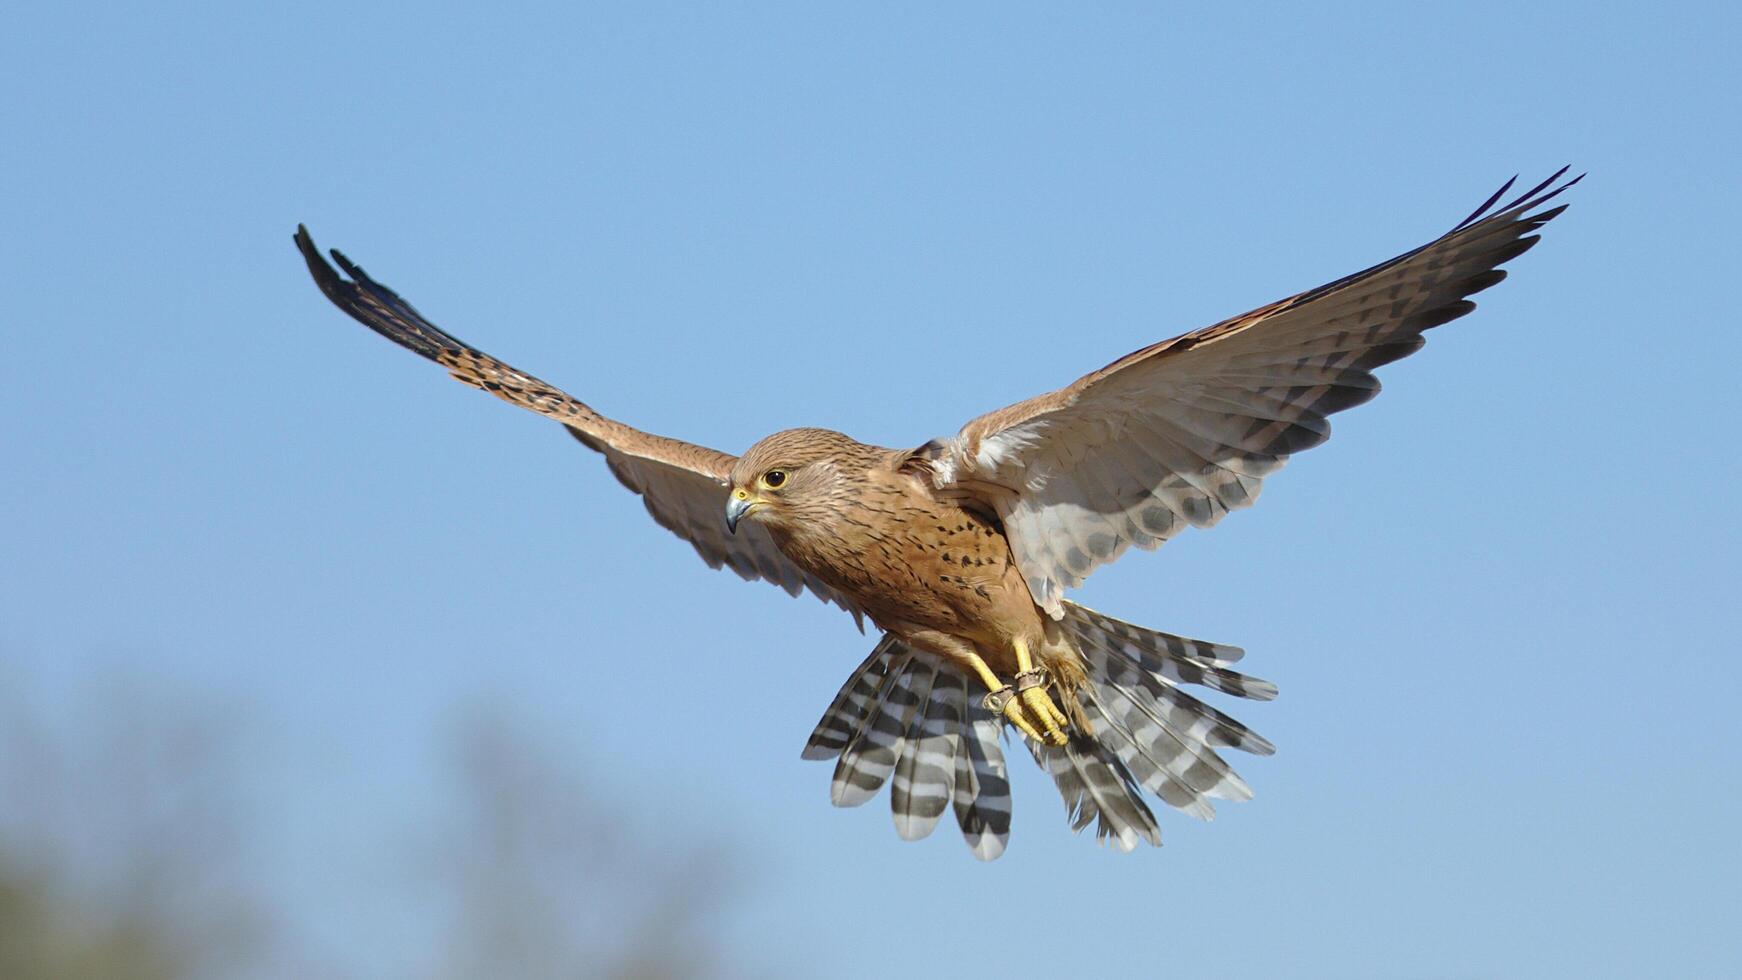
960 550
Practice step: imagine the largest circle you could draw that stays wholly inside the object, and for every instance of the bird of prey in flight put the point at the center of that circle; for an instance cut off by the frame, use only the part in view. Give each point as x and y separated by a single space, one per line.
959 550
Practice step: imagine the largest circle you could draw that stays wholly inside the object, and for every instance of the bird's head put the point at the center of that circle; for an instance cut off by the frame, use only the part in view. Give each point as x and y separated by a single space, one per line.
787 479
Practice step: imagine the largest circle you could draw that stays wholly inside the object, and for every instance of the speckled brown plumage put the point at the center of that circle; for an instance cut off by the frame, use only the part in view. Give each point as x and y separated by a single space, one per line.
960 550
911 560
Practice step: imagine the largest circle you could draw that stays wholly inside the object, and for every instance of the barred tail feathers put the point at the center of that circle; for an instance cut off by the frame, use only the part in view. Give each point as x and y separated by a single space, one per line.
916 721
913 716
1098 789
1165 738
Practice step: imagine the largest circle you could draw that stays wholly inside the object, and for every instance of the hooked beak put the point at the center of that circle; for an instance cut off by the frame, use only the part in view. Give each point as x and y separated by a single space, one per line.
737 506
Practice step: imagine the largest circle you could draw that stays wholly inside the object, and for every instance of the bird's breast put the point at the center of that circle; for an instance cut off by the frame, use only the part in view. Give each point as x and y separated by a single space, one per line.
903 555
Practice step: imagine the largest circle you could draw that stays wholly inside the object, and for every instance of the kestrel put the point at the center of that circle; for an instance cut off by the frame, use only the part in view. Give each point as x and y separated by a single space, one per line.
960 550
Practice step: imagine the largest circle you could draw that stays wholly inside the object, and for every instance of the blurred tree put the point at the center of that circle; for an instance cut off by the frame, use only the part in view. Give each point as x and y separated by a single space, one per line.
118 832
549 884
121 858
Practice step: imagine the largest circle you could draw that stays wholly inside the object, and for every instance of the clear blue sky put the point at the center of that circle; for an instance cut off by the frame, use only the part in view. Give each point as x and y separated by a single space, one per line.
1499 602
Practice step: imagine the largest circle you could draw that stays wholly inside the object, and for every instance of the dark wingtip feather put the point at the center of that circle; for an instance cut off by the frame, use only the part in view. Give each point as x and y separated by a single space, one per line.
1540 195
325 276
352 269
1479 212
1527 195
1535 197
370 303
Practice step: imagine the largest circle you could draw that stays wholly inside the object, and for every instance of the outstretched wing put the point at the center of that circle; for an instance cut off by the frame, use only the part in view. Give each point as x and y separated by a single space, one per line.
1183 431
683 485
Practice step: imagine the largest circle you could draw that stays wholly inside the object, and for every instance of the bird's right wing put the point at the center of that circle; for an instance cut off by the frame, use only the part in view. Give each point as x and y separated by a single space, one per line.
1186 430
683 485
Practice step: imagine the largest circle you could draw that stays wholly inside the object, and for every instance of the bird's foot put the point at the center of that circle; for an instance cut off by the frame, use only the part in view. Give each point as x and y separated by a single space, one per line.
1033 713
1031 688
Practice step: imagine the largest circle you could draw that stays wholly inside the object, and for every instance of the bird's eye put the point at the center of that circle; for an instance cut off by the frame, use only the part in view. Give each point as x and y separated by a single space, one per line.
774 479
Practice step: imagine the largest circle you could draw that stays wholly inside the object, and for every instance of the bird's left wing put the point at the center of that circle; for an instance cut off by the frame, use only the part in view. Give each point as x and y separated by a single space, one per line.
683 485
1183 431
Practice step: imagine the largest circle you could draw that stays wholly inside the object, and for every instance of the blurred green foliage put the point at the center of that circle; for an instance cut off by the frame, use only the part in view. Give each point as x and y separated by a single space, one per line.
123 857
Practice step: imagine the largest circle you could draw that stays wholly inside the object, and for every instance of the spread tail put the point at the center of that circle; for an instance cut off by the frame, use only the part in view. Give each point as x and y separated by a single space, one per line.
915 720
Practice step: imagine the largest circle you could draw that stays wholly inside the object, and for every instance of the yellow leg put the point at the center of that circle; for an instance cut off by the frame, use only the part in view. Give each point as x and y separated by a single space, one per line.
1002 699
1043 724
1031 687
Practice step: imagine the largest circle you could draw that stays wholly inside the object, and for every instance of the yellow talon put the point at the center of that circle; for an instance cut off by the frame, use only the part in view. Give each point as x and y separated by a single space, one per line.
1027 705
1018 717
1031 686
1040 704
1002 701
